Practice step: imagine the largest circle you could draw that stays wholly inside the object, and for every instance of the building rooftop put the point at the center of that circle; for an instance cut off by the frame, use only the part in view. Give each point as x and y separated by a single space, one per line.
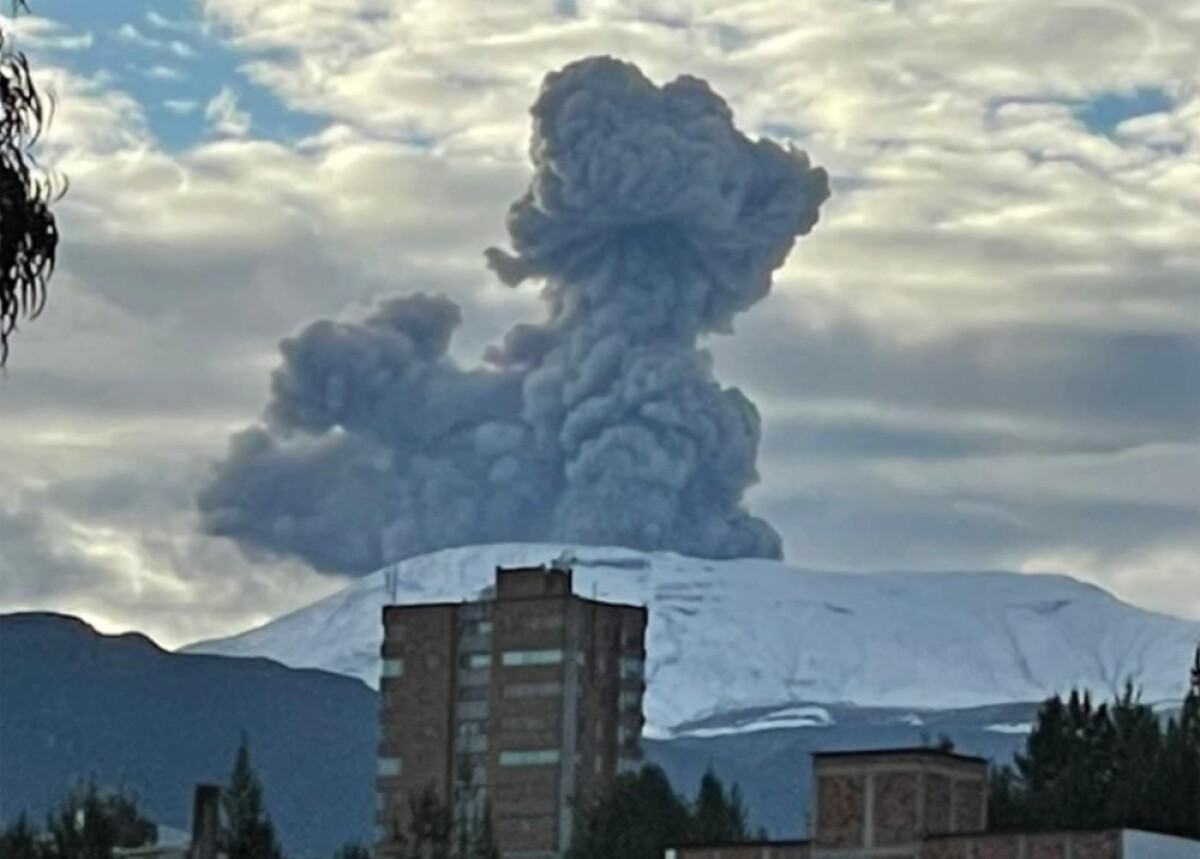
912 751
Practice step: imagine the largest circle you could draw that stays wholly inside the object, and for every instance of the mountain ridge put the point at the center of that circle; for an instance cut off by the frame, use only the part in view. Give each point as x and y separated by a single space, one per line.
79 704
900 639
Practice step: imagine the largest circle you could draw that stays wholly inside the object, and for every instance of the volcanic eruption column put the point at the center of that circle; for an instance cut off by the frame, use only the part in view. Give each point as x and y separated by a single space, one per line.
651 221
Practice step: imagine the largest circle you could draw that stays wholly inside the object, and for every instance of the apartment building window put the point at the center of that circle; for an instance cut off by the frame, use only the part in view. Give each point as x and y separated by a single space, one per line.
532 690
393 667
473 744
544 623
532 657
632 668
472 710
478 627
528 723
628 765
529 757
630 700
473 661
472 728
389 767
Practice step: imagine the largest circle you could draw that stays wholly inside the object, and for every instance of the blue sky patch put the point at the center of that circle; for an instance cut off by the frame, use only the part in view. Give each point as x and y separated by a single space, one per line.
172 63
1105 112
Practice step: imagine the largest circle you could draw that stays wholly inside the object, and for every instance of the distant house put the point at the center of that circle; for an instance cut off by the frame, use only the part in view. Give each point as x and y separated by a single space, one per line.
171 843
926 804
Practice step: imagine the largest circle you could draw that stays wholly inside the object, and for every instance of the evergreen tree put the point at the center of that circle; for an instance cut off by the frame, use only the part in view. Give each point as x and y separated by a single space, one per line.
639 819
1178 794
250 833
1106 766
430 828
718 818
643 816
352 850
20 840
89 824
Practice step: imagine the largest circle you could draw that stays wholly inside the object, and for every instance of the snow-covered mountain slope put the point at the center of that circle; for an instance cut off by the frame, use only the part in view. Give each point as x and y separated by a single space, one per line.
730 635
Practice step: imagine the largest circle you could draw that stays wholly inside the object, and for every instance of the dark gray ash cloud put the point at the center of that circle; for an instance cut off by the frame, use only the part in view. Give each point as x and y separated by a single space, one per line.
651 221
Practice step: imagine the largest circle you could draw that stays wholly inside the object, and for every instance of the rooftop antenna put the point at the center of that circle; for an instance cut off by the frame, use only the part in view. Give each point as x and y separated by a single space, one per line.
392 583
565 559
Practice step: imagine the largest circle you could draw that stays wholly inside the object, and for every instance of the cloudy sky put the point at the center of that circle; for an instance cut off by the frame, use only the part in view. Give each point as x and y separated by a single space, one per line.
986 356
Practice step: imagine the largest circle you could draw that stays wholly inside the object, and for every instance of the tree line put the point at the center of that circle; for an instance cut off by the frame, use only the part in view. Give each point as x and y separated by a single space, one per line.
92 823
1086 766
1105 766
643 815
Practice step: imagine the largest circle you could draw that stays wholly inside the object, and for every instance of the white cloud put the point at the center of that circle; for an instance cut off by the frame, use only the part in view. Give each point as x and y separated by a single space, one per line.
913 414
130 34
162 73
224 115
29 32
181 107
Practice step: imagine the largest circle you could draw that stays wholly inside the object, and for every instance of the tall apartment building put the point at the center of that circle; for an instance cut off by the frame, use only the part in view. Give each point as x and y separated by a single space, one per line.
523 703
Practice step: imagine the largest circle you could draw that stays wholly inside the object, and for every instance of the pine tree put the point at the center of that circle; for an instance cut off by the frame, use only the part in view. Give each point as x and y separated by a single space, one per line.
352 850
643 816
20 841
639 819
1107 766
430 828
89 824
250 833
718 818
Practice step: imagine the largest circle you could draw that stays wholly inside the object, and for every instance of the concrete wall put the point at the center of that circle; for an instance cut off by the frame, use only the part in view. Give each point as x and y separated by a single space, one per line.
1147 845
882 804
777 850
1052 845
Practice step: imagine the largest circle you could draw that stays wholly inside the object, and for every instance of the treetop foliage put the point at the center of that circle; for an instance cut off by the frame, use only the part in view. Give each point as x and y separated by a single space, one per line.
1109 765
643 816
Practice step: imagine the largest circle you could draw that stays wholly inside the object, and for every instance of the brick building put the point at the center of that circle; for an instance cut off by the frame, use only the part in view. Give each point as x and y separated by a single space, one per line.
926 804
521 703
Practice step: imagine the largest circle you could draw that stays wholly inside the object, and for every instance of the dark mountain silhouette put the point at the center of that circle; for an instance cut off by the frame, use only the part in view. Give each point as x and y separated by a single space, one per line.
75 704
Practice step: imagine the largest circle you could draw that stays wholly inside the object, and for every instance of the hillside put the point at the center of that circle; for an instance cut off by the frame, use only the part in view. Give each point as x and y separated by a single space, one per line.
726 636
75 704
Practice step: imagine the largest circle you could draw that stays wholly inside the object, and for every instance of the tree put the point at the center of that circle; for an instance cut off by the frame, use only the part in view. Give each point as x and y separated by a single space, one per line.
1115 765
434 831
90 823
21 841
430 828
718 818
352 850
250 833
643 816
28 232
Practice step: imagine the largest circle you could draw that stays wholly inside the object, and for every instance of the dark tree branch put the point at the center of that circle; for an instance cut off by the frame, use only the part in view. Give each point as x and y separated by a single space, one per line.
28 232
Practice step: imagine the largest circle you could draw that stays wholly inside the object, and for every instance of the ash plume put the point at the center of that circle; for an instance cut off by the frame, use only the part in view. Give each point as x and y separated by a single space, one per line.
651 220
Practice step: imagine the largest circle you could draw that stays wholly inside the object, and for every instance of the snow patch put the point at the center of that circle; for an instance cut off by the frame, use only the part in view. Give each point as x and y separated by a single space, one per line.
734 635
1011 728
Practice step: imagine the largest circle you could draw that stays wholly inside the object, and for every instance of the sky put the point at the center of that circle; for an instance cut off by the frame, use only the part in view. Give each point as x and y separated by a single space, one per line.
986 355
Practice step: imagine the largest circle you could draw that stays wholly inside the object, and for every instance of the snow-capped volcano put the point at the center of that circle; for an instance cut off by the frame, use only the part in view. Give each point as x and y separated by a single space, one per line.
731 635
